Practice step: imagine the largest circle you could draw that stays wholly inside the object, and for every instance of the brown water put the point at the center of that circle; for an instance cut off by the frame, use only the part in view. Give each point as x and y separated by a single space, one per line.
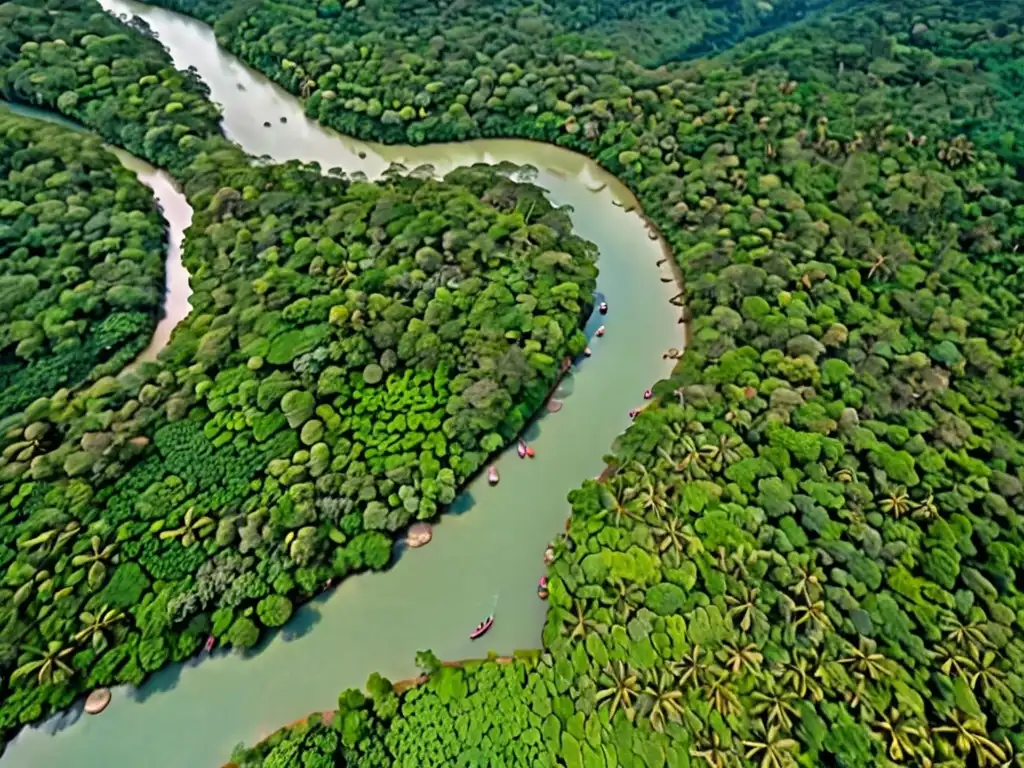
491 545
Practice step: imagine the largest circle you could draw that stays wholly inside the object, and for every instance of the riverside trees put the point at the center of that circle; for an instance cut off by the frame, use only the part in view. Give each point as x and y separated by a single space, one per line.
81 261
354 351
807 551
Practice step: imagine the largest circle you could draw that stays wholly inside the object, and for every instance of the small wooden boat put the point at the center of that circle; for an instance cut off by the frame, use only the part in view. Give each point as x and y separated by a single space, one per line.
521 448
210 642
542 588
492 475
529 452
600 331
482 627
603 308
549 555
587 352
648 395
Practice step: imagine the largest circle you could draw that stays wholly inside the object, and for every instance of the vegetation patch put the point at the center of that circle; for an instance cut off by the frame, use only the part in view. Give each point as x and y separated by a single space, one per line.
806 552
81 261
354 352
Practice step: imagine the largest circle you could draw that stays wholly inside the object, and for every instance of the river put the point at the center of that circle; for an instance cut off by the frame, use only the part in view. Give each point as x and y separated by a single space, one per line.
492 541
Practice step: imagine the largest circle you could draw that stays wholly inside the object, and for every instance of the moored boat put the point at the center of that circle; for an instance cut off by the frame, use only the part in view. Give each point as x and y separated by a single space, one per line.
600 331
542 588
603 308
482 627
210 642
521 448
492 475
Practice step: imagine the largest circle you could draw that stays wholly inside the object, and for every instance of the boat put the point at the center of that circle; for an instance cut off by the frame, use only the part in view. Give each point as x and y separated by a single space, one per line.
586 351
210 641
482 627
529 452
549 555
600 331
542 588
648 395
492 475
603 308
521 448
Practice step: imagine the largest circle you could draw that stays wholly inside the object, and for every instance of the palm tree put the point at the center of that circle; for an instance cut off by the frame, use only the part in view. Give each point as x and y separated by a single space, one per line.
713 753
577 623
745 606
955 663
96 559
49 665
971 737
903 735
739 659
815 615
776 705
722 452
96 625
722 698
662 701
967 635
926 510
866 661
191 529
621 687
615 496
690 461
896 501
691 669
652 497
672 535
626 598
772 750
988 675
800 677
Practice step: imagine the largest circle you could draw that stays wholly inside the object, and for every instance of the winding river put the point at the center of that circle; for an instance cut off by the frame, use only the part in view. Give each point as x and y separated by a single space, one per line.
490 544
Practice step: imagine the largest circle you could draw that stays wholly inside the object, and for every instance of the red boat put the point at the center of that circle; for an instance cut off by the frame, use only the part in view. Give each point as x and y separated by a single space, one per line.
482 628
210 641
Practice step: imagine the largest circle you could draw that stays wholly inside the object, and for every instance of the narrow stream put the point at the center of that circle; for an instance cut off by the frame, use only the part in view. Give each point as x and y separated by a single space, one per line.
176 212
492 541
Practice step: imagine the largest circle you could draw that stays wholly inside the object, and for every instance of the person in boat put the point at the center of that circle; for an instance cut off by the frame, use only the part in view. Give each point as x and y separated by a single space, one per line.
586 352
600 331
492 475
482 628
648 394
542 588
603 307
521 449
632 413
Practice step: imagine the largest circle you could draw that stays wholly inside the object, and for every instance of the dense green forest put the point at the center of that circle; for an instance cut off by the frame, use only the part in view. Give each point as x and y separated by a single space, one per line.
806 552
81 261
354 352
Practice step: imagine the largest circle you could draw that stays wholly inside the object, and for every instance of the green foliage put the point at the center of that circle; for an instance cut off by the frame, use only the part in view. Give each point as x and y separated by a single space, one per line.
81 261
806 551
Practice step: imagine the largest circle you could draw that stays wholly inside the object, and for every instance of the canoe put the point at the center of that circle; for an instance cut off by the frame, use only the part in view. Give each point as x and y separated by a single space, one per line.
600 331
521 448
603 308
492 475
482 628
210 641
